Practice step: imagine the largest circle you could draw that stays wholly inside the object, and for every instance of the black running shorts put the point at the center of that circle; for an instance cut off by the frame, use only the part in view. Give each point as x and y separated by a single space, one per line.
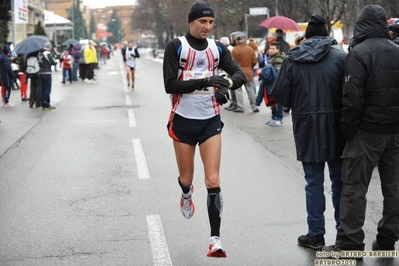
193 131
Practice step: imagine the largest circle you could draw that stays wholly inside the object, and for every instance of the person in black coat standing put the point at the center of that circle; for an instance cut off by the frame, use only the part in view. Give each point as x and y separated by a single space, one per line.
370 123
310 82
7 75
284 46
394 32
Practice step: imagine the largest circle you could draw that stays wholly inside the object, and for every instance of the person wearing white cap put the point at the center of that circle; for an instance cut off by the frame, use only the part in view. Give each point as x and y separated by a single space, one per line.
46 61
246 58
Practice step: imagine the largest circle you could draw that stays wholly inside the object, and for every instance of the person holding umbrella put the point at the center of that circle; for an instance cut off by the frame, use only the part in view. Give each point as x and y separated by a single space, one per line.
7 76
32 71
46 61
284 46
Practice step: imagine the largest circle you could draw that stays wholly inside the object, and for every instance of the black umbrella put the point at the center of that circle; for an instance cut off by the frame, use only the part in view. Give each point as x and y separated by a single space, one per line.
70 41
31 44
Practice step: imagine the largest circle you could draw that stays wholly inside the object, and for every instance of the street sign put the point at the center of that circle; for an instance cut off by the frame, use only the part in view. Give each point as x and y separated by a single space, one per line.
256 11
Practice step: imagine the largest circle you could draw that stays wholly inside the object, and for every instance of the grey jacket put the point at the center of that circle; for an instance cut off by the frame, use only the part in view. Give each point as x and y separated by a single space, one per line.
46 62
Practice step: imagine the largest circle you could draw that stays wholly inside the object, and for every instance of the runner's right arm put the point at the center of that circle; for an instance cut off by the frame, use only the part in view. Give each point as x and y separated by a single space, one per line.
173 84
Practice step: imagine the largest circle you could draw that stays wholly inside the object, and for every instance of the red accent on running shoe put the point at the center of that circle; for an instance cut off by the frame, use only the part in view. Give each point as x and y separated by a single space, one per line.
217 253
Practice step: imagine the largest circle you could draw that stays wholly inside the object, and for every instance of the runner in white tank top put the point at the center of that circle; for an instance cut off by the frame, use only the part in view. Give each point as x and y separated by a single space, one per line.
199 104
190 71
131 53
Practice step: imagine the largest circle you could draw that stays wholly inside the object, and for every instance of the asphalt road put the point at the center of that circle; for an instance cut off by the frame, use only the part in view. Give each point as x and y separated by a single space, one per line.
94 182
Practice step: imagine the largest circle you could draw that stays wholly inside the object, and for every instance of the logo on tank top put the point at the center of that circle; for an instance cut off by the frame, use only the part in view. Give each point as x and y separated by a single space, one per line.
201 63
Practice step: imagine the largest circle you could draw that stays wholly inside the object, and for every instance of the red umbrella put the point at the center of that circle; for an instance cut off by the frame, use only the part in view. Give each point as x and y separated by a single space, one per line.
280 22
392 20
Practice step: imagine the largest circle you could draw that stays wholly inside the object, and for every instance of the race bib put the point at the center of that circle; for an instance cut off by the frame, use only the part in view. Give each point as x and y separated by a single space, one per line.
187 75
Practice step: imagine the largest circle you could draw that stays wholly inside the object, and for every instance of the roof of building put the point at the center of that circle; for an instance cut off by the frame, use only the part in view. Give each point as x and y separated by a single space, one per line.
105 3
51 18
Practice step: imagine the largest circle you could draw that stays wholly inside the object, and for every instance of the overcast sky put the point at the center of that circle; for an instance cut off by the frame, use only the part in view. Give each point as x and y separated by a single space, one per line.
103 3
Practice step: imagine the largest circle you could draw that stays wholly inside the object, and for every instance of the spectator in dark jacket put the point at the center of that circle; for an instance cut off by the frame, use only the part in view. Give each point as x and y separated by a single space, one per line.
284 46
310 82
7 76
15 69
370 123
46 61
394 32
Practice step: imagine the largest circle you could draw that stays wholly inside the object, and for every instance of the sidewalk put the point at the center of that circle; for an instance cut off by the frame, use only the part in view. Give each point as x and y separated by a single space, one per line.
16 121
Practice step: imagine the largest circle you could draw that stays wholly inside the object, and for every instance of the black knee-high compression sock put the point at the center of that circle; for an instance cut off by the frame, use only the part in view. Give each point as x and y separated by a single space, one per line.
215 208
184 188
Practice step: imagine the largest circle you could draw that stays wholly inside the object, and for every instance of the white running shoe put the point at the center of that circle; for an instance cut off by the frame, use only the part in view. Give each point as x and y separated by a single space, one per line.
86 80
276 123
9 104
215 248
187 207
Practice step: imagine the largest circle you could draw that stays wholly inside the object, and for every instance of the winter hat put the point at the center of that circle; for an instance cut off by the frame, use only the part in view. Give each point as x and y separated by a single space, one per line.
394 27
199 10
299 40
225 41
6 49
239 38
48 45
316 27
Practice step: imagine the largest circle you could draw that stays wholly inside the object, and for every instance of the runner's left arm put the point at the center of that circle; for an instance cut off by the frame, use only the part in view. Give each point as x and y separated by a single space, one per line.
228 64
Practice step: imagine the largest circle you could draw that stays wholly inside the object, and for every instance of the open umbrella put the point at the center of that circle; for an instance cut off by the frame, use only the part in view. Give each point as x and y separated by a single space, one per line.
31 44
280 22
70 42
236 33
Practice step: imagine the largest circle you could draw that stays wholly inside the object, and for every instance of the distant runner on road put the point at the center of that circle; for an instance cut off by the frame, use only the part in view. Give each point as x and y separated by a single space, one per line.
131 53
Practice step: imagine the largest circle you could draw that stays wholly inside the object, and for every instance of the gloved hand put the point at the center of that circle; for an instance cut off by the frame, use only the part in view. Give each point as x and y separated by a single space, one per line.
222 95
216 81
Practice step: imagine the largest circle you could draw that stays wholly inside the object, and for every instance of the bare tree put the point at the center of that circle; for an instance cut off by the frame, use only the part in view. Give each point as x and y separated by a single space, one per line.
391 7
331 10
148 15
169 17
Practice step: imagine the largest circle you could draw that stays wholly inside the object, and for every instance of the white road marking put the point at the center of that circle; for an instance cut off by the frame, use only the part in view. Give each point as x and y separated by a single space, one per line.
113 73
132 119
128 100
160 252
140 160
124 81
